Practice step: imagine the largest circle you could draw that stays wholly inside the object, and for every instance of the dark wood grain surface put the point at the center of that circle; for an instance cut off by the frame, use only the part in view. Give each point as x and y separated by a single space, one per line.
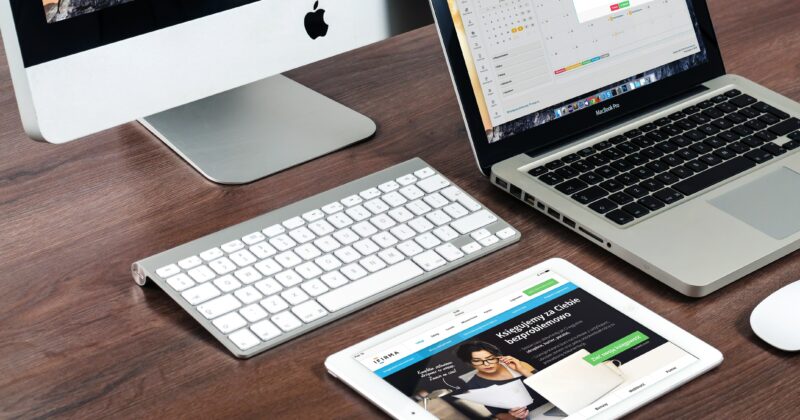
79 339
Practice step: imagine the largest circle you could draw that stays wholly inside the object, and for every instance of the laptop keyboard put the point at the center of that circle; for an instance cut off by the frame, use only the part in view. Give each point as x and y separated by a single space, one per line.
662 162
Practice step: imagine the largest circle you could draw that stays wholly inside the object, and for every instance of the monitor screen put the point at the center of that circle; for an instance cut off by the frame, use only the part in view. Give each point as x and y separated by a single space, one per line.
53 29
531 62
58 10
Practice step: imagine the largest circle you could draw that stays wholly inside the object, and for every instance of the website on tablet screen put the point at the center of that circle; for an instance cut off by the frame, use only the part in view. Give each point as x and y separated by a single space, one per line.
542 348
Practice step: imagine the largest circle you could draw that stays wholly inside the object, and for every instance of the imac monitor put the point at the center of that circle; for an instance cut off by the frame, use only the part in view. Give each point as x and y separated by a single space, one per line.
81 66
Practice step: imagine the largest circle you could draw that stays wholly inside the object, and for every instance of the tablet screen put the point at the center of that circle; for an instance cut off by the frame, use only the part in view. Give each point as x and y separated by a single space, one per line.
542 348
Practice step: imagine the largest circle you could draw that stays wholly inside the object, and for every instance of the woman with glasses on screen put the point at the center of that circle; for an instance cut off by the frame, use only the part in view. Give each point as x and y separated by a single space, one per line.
494 368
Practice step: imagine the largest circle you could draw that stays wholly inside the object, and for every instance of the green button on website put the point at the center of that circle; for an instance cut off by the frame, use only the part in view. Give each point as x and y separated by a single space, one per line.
615 348
539 287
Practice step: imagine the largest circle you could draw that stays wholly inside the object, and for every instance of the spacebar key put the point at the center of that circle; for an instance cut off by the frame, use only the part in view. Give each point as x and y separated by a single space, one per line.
370 285
714 175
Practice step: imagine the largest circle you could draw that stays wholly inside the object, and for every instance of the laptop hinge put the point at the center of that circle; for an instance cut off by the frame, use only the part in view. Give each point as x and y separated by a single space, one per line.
619 121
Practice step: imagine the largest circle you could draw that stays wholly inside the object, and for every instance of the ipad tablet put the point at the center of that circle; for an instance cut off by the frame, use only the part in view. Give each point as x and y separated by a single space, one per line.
550 342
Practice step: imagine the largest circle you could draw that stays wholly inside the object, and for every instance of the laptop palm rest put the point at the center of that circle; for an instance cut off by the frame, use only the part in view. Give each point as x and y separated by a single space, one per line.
770 203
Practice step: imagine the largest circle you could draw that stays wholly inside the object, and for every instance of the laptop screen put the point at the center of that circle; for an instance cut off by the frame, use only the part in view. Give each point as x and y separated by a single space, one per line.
531 62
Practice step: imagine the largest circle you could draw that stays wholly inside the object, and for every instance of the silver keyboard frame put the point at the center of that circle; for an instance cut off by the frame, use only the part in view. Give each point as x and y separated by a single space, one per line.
145 269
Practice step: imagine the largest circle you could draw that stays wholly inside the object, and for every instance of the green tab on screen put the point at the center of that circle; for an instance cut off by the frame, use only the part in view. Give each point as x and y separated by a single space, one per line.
615 348
539 287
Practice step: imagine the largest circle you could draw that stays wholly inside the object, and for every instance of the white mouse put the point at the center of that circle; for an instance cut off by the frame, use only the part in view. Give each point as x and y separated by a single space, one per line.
777 318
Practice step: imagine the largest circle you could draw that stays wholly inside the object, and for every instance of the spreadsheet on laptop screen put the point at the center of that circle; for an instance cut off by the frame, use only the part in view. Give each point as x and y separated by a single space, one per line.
532 61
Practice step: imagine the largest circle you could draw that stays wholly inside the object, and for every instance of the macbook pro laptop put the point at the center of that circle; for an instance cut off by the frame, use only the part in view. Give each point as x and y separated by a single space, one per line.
618 120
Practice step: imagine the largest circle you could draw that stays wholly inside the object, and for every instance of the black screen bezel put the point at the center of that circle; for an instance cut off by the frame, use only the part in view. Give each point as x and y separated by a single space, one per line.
561 130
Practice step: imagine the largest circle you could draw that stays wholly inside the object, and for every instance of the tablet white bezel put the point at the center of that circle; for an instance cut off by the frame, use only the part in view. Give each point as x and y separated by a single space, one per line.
344 366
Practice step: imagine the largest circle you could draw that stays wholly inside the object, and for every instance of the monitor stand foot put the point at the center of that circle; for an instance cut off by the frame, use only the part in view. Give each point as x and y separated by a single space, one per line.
253 131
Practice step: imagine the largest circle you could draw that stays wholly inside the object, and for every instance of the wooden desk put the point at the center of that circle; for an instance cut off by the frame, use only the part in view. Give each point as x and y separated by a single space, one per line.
79 339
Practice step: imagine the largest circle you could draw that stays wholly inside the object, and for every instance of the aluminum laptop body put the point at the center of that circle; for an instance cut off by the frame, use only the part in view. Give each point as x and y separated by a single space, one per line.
741 185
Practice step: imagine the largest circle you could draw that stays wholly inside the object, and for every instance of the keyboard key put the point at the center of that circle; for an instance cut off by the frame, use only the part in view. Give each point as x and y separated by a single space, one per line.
180 282
489 240
328 262
374 283
733 93
219 306
636 210
253 313
620 198
227 283
391 256
201 274
424 172
668 195
353 271
411 192
317 214
274 230
190 262
268 287
294 296
550 178
232 246
331 208
474 221
773 149
538 171
253 238
480 234
571 186
314 288
651 203
288 278
211 254
308 270
274 304
334 279
309 311
347 254
201 293
222 266
372 263
589 195
244 339
636 192
229 322
603 206
347 202
610 186
785 127
445 233
758 155
427 240
262 250
248 295
429 260
421 224
168 271
243 258
506 233
433 184
471 248
286 321
619 217
294 222
265 330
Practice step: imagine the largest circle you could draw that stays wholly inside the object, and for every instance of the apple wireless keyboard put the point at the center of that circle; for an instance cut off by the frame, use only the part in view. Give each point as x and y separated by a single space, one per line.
287 272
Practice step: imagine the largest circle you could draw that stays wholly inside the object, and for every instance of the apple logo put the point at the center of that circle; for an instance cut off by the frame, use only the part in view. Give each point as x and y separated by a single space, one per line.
315 22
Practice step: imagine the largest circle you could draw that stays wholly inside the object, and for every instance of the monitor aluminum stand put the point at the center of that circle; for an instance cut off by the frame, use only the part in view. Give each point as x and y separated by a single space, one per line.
253 131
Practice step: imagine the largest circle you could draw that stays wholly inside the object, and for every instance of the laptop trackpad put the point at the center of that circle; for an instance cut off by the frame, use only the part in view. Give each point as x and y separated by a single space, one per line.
770 203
